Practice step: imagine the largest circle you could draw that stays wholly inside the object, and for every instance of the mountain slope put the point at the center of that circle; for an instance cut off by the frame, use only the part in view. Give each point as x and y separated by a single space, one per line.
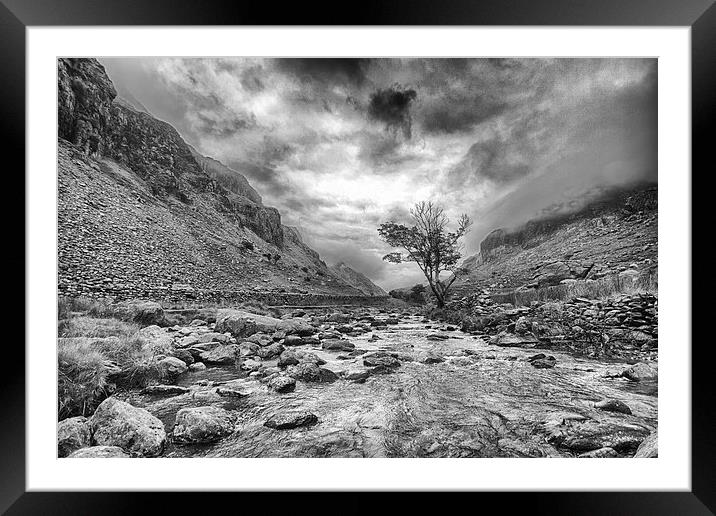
138 215
613 232
356 280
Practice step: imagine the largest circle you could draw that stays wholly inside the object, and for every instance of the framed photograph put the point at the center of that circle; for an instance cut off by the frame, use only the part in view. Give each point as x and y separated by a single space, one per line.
409 248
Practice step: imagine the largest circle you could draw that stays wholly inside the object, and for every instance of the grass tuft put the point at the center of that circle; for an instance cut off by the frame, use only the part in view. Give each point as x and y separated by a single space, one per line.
96 356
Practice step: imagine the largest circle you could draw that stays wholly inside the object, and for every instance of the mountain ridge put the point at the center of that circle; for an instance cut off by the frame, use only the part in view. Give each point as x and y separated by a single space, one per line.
356 279
139 216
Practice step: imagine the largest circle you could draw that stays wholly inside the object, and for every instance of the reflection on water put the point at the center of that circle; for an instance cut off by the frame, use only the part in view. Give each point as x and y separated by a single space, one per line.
481 401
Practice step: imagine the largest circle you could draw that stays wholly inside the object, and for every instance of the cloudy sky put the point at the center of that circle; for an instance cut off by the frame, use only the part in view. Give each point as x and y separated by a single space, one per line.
340 145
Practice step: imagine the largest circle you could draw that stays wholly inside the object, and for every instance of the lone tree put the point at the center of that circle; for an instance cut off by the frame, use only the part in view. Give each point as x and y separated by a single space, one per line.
429 244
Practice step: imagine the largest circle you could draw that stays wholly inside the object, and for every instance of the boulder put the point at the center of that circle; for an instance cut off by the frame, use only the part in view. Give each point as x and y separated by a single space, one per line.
612 405
243 324
292 340
649 448
100 452
270 351
308 357
202 425
248 349
184 355
338 345
640 372
282 384
542 361
428 357
288 420
296 327
260 338
116 423
306 372
250 365
287 358
197 366
381 360
145 313
72 434
357 375
221 355
171 367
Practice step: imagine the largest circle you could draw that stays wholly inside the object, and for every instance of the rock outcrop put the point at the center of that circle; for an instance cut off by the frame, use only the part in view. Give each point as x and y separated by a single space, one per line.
614 230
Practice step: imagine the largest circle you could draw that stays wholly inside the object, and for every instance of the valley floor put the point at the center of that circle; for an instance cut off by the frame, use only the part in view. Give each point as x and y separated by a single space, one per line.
369 382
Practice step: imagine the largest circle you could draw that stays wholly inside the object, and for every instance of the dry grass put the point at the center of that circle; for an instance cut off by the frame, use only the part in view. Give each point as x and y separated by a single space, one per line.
66 306
95 355
602 288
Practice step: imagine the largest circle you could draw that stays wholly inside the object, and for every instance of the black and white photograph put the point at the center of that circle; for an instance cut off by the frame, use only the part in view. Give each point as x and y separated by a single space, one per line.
357 257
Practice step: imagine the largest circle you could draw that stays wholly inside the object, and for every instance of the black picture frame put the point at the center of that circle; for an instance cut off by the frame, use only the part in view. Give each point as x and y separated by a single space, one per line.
700 15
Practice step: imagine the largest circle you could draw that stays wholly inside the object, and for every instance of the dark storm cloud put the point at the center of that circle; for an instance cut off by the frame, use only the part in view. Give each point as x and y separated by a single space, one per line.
454 114
392 107
325 70
493 159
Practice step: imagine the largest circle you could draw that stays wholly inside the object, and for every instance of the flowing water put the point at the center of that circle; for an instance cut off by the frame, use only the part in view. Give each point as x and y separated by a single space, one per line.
481 401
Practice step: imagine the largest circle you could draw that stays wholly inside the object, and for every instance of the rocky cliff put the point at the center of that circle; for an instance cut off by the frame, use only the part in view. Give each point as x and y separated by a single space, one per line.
612 232
356 280
142 214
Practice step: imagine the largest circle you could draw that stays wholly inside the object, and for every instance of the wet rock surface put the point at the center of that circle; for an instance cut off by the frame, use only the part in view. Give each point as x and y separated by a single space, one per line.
401 392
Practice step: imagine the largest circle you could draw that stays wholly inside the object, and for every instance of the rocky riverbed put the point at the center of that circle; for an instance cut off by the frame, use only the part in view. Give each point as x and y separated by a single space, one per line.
369 383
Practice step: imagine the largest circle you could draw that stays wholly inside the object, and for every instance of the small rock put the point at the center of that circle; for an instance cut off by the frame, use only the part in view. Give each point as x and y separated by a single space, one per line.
282 384
613 405
338 345
292 340
202 425
164 390
171 367
231 392
640 372
270 351
287 358
221 355
288 420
